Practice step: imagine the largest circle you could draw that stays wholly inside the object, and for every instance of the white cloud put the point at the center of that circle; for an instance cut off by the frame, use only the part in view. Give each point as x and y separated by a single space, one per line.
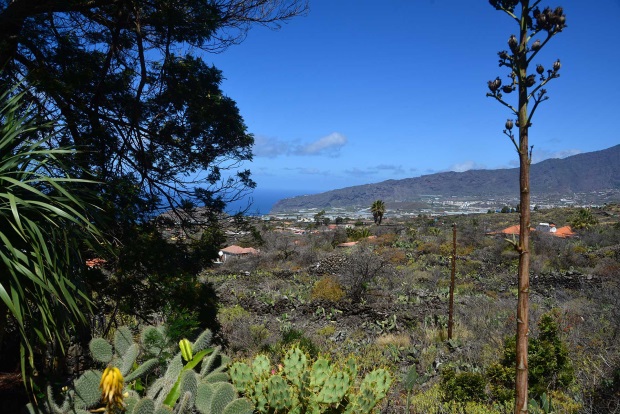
269 147
383 169
329 145
539 155
395 169
359 172
465 166
309 171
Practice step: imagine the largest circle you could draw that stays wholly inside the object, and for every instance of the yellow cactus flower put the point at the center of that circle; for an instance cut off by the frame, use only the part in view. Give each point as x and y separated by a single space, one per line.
111 385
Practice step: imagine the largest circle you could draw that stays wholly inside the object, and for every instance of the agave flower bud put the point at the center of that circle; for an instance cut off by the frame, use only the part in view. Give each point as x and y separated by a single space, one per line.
559 11
495 84
562 20
507 89
540 69
556 65
542 19
530 80
536 46
513 43
509 124
503 55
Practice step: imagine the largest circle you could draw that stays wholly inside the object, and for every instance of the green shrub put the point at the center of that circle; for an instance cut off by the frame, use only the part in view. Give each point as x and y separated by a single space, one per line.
550 367
180 322
359 233
583 219
231 315
463 386
294 336
327 288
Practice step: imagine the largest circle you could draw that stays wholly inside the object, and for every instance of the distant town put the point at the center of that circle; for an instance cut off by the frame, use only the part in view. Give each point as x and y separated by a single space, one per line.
439 205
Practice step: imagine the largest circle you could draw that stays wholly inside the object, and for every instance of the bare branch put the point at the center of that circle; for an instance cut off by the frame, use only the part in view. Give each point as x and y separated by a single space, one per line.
506 104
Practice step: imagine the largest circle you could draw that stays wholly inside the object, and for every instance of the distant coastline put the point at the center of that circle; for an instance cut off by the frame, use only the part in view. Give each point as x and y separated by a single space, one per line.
262 200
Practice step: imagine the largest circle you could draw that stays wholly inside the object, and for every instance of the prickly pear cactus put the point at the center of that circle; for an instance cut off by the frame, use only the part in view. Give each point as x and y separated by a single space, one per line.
298 387
183 388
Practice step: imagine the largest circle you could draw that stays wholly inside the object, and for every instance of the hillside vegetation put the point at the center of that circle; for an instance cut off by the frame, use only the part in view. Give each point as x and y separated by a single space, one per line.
384 302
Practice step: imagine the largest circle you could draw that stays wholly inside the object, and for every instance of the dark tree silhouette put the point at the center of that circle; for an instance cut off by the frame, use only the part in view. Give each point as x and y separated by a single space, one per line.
129 86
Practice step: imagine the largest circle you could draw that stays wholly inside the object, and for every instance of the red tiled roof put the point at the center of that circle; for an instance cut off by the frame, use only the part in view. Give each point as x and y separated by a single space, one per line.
234 249
564 232
512 230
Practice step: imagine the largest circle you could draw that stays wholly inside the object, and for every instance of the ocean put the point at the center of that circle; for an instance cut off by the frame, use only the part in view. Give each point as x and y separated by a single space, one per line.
262 200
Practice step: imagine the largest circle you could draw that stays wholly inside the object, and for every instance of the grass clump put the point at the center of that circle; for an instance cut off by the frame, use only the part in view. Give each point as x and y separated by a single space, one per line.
327 288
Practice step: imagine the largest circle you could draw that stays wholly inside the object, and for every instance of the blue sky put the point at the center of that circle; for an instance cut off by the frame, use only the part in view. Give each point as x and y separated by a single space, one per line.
361 91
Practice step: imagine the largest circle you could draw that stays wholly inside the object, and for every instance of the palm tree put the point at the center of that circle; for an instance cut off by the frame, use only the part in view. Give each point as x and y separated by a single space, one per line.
377 209
43 226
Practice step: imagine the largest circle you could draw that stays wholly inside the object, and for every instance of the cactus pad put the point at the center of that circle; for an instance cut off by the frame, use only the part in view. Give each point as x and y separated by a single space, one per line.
87 392
239 406
278 393
335 388
123 339
100 350
260 366
241 375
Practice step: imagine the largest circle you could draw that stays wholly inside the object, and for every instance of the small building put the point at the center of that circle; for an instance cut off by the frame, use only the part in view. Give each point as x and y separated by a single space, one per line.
235 251
548 228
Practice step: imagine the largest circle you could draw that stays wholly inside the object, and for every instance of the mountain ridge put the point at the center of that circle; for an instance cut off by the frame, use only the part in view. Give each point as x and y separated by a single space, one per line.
585 172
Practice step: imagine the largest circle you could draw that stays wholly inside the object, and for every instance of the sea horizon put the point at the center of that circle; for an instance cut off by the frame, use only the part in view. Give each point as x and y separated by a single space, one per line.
263 200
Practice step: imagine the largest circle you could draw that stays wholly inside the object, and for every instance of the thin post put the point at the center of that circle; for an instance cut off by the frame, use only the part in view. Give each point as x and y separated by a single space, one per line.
452 281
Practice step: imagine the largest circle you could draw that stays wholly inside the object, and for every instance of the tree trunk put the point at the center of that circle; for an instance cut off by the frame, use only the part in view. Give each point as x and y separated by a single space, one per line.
523 247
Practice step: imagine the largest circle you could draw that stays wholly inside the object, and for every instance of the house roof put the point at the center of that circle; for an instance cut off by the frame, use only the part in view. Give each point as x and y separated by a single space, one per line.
234 249
353 243
564 232
512 230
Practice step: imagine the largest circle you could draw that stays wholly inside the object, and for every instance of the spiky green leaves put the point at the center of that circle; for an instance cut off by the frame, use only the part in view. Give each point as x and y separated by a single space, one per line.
42 225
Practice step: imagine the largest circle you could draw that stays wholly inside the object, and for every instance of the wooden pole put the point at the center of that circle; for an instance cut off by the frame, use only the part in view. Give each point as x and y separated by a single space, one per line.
452 281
